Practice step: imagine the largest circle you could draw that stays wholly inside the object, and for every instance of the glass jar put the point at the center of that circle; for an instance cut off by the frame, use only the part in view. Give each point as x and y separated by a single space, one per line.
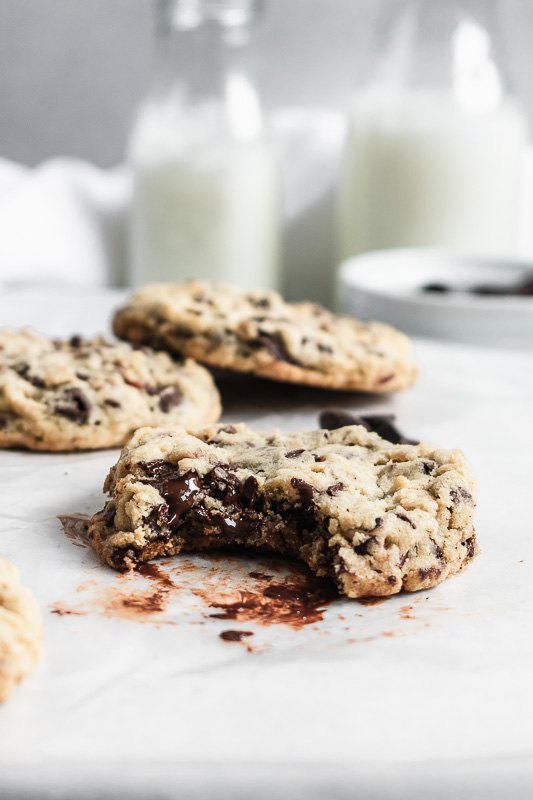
206 178
435 140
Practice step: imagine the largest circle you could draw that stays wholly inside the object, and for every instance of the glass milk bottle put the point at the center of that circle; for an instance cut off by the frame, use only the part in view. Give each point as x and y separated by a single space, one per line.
206 179
433 152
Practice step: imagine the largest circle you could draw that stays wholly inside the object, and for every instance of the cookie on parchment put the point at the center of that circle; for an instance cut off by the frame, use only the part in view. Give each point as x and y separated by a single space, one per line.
89 393
20 629
375 517
258 332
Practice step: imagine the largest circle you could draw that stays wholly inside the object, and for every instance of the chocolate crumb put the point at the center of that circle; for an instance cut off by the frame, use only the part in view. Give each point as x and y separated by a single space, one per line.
235 636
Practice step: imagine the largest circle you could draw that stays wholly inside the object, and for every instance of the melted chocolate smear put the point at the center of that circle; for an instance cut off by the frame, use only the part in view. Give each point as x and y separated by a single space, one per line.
154 573
75 528
371 601
296 601
234 636
382 424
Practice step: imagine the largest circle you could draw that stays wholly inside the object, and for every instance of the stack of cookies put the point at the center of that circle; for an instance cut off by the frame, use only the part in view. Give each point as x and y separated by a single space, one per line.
373 515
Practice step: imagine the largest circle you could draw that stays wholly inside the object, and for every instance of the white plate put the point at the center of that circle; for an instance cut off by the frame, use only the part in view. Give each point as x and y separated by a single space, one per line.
386 285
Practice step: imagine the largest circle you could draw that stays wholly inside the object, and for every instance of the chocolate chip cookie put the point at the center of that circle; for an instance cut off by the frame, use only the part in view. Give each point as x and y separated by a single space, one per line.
20 629
89 393
258 332
375 517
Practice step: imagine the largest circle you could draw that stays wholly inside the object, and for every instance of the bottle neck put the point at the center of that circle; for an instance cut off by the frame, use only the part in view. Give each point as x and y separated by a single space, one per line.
453 46
203 65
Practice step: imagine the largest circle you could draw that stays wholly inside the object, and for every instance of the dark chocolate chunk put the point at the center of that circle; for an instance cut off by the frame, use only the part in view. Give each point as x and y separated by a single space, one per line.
335 489
405 518
74 405
294 453
170 399
459 495
23 371
382 424
275 346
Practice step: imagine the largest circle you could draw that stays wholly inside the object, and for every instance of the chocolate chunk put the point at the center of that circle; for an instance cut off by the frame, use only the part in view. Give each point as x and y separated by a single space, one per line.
362 549
170 399
3 423
335 489
306 490
74 405
249 489
460 495
23 371
429 572
75 341
405 518
112 403
275 346
303 510
382 424
294 453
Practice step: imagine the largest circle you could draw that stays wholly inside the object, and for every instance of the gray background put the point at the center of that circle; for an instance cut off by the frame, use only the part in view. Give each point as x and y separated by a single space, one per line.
72 71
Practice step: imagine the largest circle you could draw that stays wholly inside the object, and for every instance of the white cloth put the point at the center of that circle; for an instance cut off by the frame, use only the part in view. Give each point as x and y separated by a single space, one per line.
62 222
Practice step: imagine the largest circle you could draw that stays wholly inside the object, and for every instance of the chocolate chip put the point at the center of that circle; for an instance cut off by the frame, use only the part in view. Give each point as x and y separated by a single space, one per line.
275 346
74 405
249 489
429 467
324 348
382 424
170 399
112 403
470 545
75 341
23 371
3 423
428 572
459 495
392 580
334 489
294 453
405 518
378 522
261 302
305 489
362 548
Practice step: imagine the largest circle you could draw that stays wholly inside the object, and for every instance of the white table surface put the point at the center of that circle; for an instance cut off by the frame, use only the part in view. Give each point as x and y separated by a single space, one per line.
429 702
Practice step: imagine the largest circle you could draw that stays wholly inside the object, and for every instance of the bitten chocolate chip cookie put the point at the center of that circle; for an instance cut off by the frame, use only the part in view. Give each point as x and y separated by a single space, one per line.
89 393
374 516
259 332
20 629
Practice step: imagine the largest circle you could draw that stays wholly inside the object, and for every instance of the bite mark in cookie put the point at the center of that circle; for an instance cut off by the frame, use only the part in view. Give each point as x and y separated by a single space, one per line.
352 506
258 332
